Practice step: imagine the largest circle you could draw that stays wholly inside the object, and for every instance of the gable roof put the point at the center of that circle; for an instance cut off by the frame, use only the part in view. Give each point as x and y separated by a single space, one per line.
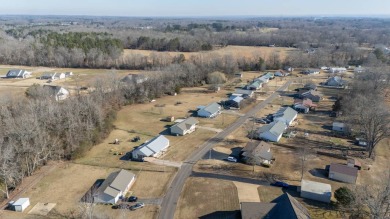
286 112
276 128
154 146
336 79
283 207
344 169
310 92
237 99
15 73
316 187
52 88
242 91
186 124
305 102
255 148
115 183
212 108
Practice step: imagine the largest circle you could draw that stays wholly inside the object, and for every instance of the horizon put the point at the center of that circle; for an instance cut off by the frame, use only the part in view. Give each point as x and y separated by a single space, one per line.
176 8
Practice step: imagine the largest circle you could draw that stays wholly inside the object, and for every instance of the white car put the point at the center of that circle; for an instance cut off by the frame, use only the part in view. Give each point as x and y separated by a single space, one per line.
232 159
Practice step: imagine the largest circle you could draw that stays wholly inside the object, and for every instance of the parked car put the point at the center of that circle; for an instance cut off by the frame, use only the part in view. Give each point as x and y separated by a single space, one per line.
132 199
137 206
280 184
261 121
232 159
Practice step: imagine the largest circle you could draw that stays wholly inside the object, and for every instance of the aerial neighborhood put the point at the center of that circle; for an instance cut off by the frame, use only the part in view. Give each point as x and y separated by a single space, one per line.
171 118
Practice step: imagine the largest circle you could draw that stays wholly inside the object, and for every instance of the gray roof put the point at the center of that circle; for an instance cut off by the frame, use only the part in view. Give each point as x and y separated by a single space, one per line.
186 124
212 108
344 169
316 187
52 88
154 146
137 78
255 148
116 182
338 124
276 128
335 80
283 207
310 92
286 112
13 73
242 91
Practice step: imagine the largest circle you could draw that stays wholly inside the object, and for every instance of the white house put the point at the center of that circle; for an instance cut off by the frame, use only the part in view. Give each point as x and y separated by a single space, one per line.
316 191
59 76
57 92
343 173
114 187
153 148
281 73
21 204
184 127
210 111
18 73
272 132
286 115
68 74
337 70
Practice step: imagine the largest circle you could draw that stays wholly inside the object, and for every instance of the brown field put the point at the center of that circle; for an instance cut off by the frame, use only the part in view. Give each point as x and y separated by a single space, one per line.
210 198
234 51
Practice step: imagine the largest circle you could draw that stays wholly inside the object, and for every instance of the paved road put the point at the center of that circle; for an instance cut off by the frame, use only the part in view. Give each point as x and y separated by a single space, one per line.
170 200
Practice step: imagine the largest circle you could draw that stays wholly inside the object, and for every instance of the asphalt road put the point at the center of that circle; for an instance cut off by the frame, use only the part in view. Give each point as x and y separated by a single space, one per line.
172 196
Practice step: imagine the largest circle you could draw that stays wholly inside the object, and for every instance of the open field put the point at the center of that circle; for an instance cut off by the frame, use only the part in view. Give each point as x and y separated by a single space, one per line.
234 51
208 198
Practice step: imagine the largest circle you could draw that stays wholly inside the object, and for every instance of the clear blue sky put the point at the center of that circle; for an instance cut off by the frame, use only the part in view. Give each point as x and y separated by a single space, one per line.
196 7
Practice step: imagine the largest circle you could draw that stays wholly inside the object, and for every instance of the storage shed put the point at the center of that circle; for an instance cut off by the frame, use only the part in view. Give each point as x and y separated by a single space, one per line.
339 127
316 191
343 173
21 204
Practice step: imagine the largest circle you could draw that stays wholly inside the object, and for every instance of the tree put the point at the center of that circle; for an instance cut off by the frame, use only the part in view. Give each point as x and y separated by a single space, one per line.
344 196
216 78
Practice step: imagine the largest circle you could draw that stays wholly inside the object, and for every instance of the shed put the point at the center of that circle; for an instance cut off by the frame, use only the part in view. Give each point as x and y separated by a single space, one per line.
316 191
354 163
343 173
21 204
339 127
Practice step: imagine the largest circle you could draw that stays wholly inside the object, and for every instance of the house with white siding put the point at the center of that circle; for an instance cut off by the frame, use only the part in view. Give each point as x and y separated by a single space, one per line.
153 148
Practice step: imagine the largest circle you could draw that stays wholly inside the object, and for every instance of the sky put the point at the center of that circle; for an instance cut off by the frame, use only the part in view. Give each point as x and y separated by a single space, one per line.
196 8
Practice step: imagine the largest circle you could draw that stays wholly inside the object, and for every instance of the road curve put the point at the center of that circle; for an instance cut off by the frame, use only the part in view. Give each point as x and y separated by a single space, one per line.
172 196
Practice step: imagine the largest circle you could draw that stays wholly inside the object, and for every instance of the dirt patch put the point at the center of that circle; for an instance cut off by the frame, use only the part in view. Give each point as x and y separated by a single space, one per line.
42 208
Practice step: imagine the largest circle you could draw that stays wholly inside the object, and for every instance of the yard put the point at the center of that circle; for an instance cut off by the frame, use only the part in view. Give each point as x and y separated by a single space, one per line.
208 198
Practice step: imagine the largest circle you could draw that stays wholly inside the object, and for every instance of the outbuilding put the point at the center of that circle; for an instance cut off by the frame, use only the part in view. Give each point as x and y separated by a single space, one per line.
316 191
343 173
339 127
21 204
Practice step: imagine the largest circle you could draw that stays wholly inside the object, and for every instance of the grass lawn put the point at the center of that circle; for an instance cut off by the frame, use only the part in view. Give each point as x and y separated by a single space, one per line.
207 197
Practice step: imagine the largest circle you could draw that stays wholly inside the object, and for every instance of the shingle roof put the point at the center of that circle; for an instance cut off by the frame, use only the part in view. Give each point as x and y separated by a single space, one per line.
116 182
344 169
155 145
255 148
255 210
276 128
212 108
186 124
15 73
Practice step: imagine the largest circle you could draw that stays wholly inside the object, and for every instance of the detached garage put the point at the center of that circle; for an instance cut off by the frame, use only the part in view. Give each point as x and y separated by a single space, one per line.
21 204
316 191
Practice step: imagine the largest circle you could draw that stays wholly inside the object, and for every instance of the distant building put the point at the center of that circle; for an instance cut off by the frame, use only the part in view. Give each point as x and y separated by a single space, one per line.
260 152
311 71
243 93
339 127
288 68
47 76
335 81
57 92
316 191
21 204
18 73
313 95
255 85
304 105
337 70
234 101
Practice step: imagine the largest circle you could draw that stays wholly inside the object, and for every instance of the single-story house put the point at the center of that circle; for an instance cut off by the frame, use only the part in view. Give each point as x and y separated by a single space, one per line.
184 127
21 204
281 73
245 93
238 75
335 81
337 70
68 74
47 76
359 70
59 76
153 148
313 95
311 71
310 86
255 85
135 78
339 127
210 111
288 68
114 187
269 75
304 105
316 191
263 79
286 115
343 173
272 132
354 163
18 73
259 152
284 206
57 92
234 101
